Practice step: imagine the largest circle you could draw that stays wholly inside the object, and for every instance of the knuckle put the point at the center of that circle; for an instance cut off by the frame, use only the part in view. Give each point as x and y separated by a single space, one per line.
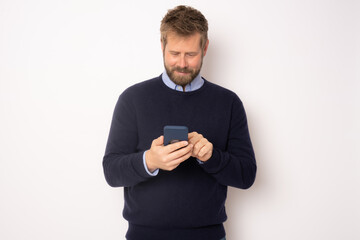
201 152
179 145
197 147
164 159
175 146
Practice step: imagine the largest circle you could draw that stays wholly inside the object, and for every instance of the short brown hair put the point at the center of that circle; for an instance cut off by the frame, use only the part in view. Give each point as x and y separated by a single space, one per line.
184 21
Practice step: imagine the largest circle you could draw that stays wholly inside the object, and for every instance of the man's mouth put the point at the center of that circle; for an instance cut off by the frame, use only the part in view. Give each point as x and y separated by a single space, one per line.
182 72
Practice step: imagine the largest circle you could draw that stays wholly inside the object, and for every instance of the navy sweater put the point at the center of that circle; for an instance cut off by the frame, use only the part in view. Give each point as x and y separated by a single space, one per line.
188 202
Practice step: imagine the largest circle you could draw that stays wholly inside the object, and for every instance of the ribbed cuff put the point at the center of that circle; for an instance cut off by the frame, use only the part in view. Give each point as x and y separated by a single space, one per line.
213 164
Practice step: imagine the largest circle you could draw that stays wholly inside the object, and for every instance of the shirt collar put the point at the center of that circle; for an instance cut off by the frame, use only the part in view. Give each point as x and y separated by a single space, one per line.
194 85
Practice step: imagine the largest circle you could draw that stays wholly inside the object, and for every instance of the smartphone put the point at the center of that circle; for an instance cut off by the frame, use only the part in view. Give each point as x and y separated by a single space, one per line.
174 134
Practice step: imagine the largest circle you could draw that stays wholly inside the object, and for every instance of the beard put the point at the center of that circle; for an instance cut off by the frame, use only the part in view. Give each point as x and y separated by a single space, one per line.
180 79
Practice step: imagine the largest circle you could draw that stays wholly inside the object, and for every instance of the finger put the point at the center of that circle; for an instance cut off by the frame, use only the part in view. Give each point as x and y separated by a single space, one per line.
205 150
206 153
192 134
179 160
196 138
159 141
196 149
181 152
204 146
175 146
199 145
183 158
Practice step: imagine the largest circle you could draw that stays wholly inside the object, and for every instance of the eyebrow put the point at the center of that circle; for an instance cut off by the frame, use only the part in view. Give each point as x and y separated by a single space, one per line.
173 51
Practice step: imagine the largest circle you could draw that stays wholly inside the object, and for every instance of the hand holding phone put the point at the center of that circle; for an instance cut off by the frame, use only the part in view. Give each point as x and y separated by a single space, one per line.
167 157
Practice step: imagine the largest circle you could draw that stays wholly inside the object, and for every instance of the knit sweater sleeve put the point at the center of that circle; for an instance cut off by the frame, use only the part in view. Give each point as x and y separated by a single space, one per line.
236 165
123 162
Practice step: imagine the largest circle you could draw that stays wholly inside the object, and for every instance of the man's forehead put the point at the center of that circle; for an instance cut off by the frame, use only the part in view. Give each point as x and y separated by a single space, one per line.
178 41
176 36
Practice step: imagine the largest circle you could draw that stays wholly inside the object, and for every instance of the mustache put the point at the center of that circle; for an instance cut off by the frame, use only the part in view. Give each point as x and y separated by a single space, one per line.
182 70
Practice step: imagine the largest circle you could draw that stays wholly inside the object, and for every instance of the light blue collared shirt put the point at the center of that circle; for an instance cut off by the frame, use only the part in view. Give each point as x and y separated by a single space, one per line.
195 84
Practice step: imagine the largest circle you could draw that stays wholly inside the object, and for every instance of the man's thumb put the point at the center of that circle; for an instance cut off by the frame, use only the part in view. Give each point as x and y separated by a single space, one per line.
159 141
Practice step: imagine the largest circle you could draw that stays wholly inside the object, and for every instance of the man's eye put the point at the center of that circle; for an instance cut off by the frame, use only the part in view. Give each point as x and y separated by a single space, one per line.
174 53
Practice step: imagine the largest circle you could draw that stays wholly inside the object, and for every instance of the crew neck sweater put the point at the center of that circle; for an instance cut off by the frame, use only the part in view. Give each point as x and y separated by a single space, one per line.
188 202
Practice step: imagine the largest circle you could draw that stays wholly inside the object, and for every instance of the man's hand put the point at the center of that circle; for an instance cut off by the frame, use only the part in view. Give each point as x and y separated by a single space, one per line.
202 149
167 157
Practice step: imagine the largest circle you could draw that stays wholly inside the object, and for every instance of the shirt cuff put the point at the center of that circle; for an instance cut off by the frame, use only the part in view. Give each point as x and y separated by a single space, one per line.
147 170
200 162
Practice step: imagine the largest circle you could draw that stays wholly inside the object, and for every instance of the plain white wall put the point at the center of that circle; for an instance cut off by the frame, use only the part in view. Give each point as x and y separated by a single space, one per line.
295 65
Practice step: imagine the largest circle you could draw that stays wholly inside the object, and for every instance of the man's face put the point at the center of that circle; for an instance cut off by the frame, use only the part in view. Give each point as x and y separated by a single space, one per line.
183 57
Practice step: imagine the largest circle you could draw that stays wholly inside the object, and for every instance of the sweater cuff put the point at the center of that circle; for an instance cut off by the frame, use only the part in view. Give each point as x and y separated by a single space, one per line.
213 164
138 165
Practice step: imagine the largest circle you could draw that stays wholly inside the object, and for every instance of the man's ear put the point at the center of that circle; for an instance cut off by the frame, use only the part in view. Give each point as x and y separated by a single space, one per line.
206 48
162 46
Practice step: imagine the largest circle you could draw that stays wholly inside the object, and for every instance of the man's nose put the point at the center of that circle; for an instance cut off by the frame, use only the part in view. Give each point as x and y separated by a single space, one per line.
182 62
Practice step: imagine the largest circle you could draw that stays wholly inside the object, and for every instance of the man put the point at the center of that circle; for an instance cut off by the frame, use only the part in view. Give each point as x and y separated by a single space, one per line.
178 191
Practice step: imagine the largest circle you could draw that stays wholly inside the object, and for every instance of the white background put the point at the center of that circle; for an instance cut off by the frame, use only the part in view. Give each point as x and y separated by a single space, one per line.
294 64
